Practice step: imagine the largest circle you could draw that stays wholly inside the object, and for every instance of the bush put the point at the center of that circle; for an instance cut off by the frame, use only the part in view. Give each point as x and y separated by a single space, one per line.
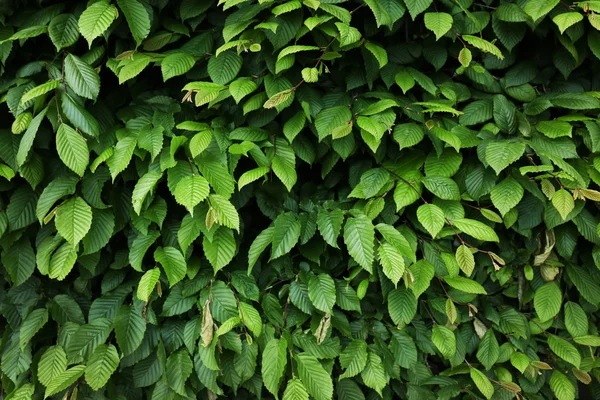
329 199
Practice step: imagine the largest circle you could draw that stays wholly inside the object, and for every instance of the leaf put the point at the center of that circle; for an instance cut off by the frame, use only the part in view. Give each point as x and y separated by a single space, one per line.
575 319
501 154
477 229
176 64
252 176
144 186
221 249
359 235
564 350
72 149
439 23
374 375
190 191
402 306
506 195
101 365
482 382
28 138
96 19
562 386
137 19
274 360
316 380
330 225
178 370
51 365
286 233
465 259
81 77
321 291
74 220
224 67
172 262
483 45
416 7
64 380
147 284
547 301
563 201
444 340
129 329
226 214
489 350
31 325
392 262
465 285
538 8
432 218
295 390
63 31
354 358
33 94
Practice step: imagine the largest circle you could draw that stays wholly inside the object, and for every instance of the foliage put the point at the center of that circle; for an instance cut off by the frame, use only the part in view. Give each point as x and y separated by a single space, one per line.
351 199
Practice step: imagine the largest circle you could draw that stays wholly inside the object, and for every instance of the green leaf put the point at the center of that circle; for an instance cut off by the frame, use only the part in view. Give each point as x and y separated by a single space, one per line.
130 327
477 229
72 149
63 31
274 360
392 262
354 358
64 380
444 188
439 23
359 236
321 291
190 191
506 195
226 214
252 176
176 64
51 365
31 325
286 233
575 319
563 201
402 306
101 365
562 386
172 262
224 67
251 318
330 225
444 340
482 382
465 285
144 186
564 350
316 380
465 259
536 9
483 45
147 284
81 77
489 350
28 138
416 7
137 18
96 19
374 375
547 301
32 94
74 220
295 390
221 249
431 217
501 154
178 370
121 156
262 241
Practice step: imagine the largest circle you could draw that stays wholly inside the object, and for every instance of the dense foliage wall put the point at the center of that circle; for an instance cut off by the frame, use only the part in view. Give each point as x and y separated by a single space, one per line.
351 199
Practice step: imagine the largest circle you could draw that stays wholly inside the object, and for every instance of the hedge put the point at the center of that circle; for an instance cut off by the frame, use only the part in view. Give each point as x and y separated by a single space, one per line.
351 199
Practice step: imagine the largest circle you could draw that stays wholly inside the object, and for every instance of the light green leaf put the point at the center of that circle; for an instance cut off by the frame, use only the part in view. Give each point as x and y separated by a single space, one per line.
295 390
477 229
51 365
439 23
321 291
74 219
563 201
137 18
506 195
274 360
547 301
316 380
564 350
285 234
482 382
172 262
72 149
221 249
444 340
147 284
101 365
190 191
176 64
562 386
374 375
465 285
96 19
431 217
359 237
